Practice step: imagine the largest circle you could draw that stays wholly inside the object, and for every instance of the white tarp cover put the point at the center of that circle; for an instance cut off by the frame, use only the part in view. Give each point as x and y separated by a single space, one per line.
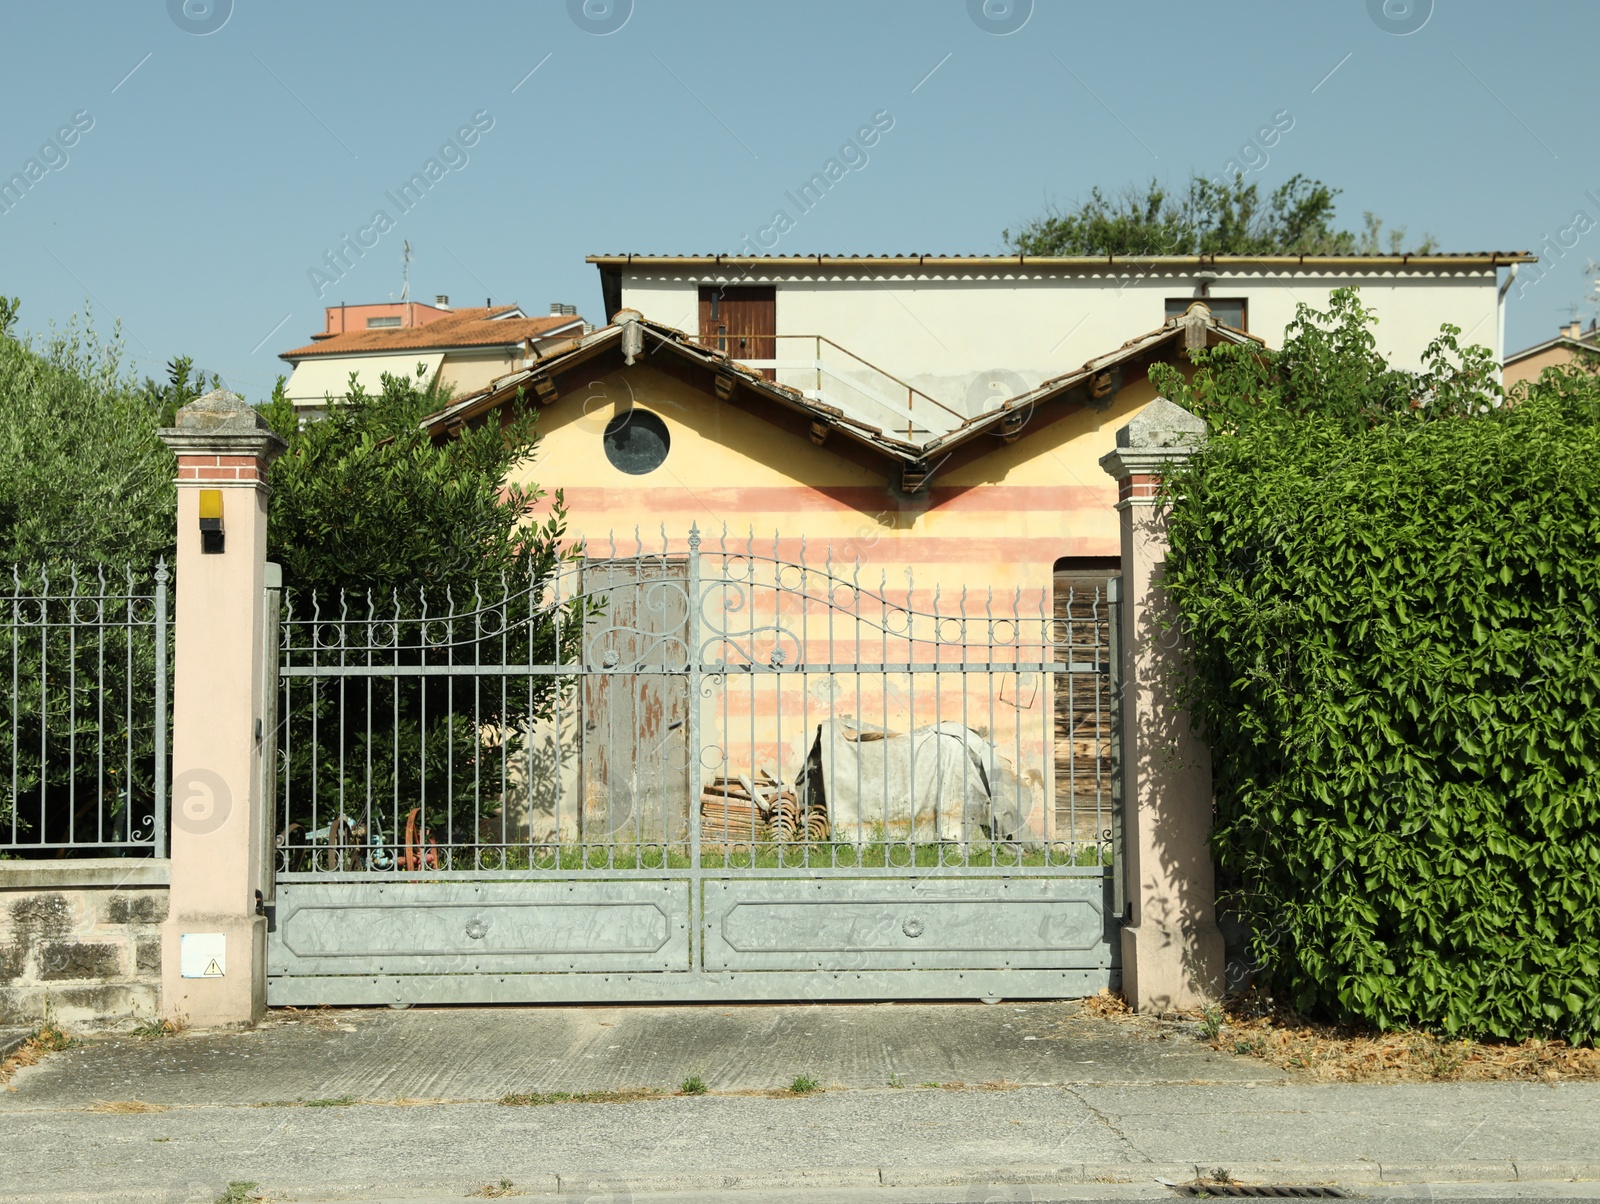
943 782
314 380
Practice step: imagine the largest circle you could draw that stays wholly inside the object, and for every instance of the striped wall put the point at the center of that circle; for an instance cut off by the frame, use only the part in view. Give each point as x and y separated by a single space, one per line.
983 540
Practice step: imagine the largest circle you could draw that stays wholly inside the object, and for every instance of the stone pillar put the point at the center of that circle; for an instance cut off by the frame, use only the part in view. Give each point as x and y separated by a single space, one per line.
1172 950
213 945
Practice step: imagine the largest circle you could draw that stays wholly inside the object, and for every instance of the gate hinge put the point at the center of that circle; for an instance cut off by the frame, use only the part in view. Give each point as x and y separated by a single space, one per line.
263 908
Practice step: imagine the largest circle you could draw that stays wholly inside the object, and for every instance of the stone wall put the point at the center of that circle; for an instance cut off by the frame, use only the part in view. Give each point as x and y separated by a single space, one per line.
82 938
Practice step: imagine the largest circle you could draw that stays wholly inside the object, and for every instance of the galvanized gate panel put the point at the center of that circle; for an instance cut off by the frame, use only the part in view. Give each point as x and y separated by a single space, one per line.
692 774
485 927
897 924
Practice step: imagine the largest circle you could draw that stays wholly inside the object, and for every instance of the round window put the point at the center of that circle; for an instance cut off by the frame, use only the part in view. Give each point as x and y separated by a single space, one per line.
636 442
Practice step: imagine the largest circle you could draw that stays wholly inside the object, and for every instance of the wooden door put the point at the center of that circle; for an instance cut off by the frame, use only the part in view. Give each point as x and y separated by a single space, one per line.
636 701
741 321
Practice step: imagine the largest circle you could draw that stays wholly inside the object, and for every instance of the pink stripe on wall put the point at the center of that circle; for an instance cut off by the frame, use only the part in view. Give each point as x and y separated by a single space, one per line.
846 499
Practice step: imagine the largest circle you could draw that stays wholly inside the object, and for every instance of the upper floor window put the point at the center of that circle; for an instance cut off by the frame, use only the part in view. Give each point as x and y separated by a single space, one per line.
1230 311
374 323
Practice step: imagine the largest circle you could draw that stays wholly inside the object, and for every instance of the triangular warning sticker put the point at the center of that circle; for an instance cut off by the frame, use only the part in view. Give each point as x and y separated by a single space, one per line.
212 970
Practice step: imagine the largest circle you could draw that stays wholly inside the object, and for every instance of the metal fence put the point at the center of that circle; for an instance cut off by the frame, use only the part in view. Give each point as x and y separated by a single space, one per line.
85 711
684 708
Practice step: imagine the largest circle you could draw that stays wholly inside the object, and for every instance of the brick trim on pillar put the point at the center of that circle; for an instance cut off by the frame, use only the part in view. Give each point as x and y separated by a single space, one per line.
1172 950
219 826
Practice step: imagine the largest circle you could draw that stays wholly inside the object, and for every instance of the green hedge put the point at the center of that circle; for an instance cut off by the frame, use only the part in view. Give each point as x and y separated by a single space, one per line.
1394 623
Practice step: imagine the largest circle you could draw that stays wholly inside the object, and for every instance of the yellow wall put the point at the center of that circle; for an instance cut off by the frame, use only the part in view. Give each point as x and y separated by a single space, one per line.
998 521
1533 365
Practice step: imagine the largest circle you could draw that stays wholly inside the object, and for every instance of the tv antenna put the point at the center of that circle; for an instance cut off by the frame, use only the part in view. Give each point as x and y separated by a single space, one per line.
405 273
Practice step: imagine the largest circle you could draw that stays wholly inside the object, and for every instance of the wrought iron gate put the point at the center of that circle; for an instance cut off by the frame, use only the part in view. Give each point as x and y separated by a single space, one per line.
693 773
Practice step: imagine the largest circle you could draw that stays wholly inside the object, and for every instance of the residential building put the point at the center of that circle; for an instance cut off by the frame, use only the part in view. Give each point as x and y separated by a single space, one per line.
930 431
867 333
946 414
1572 344
464 349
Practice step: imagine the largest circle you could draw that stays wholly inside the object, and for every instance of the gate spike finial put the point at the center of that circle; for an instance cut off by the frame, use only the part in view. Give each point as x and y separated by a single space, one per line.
694 536
665 542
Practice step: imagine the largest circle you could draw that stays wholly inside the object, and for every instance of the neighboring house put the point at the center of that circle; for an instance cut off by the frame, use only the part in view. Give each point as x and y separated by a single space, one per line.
948 337
1572 344
464 349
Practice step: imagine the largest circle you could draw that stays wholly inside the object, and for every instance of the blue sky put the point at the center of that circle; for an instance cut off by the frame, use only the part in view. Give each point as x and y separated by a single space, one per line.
220 167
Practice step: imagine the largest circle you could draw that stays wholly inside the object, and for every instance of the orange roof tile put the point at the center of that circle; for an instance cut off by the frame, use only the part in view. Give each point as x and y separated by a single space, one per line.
475 327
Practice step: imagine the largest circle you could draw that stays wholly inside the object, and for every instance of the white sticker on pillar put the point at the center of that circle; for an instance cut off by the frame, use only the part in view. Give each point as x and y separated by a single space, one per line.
203 955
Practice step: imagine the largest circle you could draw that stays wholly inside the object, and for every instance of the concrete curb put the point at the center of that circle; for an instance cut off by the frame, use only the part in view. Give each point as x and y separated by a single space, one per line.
1365 1174
1095 1180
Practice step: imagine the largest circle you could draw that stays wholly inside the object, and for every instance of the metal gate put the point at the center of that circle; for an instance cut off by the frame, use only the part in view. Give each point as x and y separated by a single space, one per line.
693 773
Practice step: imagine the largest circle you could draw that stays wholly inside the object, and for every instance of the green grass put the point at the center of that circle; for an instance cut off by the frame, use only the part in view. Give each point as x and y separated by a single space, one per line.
51 1038
877 854
693 1085
804 1086
237 1192
537 1098
337 1101
156 1027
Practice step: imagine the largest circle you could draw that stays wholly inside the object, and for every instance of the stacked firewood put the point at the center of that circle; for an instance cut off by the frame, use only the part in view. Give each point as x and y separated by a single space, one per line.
757 809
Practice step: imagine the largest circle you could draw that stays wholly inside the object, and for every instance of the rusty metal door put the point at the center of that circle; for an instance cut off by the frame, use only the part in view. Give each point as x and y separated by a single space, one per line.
741 322
636 701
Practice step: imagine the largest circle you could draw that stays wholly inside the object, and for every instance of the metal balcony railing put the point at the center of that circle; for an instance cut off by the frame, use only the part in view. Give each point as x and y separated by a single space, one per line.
824 371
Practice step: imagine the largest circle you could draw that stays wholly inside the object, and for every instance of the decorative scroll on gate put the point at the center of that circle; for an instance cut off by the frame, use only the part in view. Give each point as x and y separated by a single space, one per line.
691 772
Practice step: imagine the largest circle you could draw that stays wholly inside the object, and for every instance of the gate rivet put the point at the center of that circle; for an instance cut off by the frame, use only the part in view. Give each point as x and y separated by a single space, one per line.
477 928
912 927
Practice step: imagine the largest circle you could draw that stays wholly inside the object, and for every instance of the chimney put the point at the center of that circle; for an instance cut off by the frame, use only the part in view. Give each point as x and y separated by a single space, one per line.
1573 329
441 301
562 310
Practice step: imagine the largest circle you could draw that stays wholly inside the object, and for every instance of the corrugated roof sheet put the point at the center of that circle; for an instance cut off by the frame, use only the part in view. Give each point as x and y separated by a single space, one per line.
1460 259
474 327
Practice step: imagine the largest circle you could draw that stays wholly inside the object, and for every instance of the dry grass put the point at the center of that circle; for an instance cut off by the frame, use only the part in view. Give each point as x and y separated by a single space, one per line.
1254 1027
1107 1005
495 1191
126 1107
321 1018
47 1038
1343 1054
